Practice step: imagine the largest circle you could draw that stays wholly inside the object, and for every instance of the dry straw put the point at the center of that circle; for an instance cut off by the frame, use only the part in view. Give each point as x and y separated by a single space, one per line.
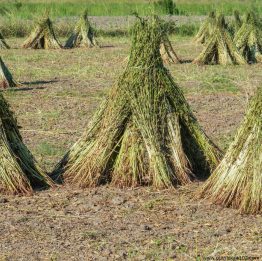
249 39
6 78
3 44
19 172
43 36
237 181
83 35
144 132
220 48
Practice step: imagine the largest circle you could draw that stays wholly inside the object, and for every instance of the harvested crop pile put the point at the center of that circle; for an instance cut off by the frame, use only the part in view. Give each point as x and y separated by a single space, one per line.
237 181
144 132
83 35
19 172
43 36
249 39
6 78
220 48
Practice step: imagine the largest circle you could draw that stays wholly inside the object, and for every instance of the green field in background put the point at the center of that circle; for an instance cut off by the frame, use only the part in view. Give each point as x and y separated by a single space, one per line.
61 8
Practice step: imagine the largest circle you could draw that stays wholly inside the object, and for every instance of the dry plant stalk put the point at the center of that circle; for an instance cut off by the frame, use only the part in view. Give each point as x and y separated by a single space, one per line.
43 36
237 181
19 172
144 132
6 78
249 39
220 48
206 29
83 35
3 44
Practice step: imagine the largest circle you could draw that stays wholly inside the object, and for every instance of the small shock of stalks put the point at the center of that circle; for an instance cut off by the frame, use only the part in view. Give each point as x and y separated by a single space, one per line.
43 36
237 181
144 132
220 48
6 78
19 172
83 35
249 39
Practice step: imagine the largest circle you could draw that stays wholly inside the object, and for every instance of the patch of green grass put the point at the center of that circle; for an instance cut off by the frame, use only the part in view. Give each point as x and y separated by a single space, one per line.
47 149
220 83
31 9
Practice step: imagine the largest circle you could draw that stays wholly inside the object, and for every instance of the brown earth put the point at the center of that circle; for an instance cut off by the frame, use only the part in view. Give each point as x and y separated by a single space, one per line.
61 90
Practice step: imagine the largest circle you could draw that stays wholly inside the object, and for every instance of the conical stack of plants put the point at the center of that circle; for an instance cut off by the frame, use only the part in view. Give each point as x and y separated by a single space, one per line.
3 44
237 181
19 172
6 78
43 36
83 35
144 132
249 39
220 48
206 29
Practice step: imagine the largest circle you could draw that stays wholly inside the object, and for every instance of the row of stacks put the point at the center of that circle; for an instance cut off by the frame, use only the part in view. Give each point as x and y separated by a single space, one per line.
145 133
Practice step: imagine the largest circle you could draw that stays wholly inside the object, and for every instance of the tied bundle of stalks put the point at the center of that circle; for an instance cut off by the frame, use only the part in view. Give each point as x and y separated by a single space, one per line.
144 132
237 181
6 78
43 36
206 29
83 35
249 39
220 48
3 44
19 173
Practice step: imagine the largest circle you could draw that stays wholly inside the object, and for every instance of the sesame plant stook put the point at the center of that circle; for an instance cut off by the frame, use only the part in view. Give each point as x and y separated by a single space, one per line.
248 39
19 172
43 36
220 48
144 132
83 35
237 181
6 78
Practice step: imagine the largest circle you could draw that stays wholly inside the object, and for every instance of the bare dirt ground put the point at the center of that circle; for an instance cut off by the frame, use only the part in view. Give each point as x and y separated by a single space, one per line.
61 90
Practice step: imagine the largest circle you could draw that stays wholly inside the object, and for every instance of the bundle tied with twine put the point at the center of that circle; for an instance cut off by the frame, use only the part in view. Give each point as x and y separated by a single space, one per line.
237 181
43 36
144 132
3 44
220 48
6 78
83 35
19 172
249 39
206 29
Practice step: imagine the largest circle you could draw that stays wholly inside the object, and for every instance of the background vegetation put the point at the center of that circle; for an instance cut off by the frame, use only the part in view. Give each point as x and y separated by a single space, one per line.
61 8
